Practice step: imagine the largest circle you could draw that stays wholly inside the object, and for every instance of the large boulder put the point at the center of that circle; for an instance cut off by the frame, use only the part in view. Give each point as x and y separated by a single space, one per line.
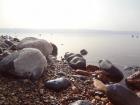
30 42
28 63
113 72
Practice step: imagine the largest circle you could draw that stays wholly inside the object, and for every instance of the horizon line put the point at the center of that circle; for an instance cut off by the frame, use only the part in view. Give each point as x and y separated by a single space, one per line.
67 30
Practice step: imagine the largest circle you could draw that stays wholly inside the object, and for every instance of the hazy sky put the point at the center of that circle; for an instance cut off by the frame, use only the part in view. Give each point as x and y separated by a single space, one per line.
71 14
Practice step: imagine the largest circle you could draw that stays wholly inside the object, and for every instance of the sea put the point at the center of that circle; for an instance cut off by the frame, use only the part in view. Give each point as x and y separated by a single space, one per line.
122 49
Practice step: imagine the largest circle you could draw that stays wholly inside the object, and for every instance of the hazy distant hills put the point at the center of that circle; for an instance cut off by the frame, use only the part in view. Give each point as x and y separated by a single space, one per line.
16 30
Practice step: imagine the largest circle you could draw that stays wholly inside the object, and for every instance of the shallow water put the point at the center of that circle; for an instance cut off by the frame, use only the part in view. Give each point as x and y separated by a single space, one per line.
120 49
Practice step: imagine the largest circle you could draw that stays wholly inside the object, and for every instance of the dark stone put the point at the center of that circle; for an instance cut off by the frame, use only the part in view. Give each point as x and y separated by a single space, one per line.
58 84
78 63
72 56
67 54
9 42
119 95
133 81
16 39
55 50
81 102
1 51
130 70
83 52
114 73
4 45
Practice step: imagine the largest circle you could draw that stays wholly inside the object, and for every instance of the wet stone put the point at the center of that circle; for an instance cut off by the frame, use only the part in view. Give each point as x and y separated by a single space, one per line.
58 84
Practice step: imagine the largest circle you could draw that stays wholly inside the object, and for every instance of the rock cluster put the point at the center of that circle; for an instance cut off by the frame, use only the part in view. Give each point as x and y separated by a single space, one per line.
65 82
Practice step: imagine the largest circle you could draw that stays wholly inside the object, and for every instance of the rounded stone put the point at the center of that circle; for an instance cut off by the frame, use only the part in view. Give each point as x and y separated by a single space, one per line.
133 81
58 84
114 73
83 52
67 54
30 42
72 56
78 63
26 63
119 95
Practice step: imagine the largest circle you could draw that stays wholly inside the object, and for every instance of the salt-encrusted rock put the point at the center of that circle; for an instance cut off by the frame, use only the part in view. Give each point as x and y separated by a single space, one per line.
114 73
81 102
58 84
28 63
30 42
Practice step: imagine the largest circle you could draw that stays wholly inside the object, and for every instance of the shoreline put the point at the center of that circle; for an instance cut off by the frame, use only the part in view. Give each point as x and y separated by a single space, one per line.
17 91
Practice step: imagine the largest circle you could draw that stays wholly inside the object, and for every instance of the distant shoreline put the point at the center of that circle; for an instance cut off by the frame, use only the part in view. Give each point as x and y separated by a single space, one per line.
16 30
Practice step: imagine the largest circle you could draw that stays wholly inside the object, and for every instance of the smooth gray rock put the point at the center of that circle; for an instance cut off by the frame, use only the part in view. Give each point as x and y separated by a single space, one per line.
28 63
30 42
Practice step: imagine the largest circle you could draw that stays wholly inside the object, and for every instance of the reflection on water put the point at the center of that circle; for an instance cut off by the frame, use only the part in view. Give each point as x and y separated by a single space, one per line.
120 49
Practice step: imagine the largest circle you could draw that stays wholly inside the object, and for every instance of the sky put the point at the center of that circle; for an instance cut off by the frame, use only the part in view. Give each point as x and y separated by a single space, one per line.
121 15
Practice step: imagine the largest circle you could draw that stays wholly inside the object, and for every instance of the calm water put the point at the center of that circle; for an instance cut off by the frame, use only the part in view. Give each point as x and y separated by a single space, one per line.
120 49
